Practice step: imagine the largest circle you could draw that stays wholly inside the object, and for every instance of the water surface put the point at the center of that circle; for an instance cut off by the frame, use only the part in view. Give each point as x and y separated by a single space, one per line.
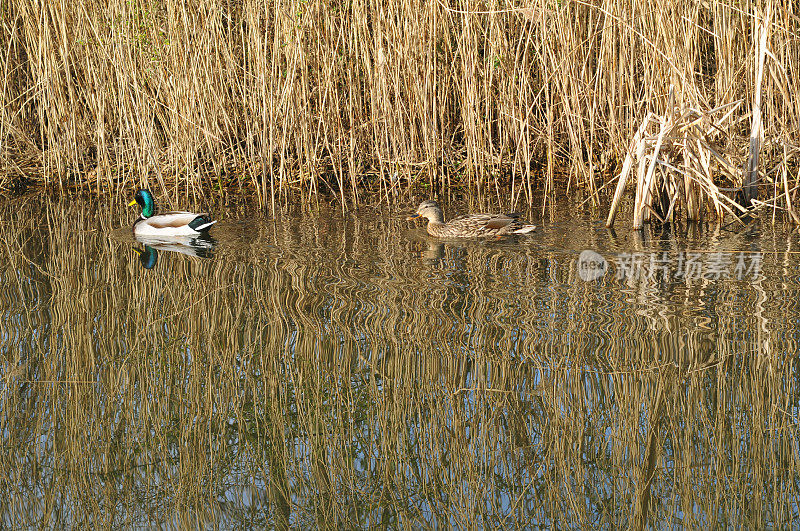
316 369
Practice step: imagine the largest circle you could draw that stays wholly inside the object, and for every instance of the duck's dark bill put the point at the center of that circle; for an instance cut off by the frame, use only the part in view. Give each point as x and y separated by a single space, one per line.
412 216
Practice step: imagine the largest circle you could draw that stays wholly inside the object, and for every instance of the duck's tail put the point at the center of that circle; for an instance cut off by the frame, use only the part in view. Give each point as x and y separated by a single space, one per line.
201 223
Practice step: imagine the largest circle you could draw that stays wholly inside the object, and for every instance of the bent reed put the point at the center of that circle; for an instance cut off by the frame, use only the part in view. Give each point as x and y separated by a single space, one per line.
290 99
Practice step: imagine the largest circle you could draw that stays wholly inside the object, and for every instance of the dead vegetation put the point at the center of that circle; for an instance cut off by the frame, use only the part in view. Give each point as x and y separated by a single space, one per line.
292 99
678 161
683 158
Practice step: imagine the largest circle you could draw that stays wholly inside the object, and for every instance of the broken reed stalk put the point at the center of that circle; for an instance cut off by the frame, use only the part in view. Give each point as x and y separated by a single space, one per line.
750 180
678 165
626 170
644 192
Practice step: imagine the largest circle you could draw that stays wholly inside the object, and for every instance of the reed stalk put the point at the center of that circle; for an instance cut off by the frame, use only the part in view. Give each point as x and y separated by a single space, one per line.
365 99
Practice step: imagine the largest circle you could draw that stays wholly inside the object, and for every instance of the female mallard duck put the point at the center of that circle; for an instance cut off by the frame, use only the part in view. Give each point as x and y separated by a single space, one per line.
471 225
169 224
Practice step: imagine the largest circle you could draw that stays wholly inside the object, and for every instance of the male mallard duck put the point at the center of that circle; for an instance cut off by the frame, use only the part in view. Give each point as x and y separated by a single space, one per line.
169 224
471 225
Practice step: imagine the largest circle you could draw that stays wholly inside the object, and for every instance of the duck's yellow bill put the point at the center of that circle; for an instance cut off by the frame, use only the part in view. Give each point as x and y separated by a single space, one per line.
132 203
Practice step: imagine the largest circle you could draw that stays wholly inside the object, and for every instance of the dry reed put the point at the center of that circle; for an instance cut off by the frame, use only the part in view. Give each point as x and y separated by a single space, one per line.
684 156
290 99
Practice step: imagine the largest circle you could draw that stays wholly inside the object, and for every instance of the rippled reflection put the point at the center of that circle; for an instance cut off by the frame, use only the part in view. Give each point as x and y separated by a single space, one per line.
323 369
198 246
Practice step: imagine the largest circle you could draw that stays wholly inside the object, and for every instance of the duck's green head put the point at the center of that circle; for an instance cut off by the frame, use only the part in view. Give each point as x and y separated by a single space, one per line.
145 200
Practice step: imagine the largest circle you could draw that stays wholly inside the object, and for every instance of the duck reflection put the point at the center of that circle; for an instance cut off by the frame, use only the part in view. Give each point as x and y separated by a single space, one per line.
147 256
434 252
197 246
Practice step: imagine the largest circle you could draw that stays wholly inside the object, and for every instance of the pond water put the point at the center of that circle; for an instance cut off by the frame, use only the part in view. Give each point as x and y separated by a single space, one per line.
323 369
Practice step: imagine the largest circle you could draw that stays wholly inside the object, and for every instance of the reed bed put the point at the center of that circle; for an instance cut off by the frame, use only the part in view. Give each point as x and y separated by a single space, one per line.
329 375
289 99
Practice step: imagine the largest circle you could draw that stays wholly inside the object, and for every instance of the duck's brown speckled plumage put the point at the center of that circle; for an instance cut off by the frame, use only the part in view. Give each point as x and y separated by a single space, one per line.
470 225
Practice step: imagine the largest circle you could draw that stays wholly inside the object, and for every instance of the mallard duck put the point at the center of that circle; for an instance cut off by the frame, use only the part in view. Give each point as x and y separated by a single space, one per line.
470 225
168 224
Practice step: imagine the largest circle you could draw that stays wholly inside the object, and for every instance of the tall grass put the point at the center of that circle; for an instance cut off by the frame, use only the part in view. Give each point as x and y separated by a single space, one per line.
291 98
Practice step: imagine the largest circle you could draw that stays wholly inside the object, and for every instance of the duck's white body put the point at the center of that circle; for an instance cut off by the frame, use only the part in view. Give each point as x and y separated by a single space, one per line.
172 224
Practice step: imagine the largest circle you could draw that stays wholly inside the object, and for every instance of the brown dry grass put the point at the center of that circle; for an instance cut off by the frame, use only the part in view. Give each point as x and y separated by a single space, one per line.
290 99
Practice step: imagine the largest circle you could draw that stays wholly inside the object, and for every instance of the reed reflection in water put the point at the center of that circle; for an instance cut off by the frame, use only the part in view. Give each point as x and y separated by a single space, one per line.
346 371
